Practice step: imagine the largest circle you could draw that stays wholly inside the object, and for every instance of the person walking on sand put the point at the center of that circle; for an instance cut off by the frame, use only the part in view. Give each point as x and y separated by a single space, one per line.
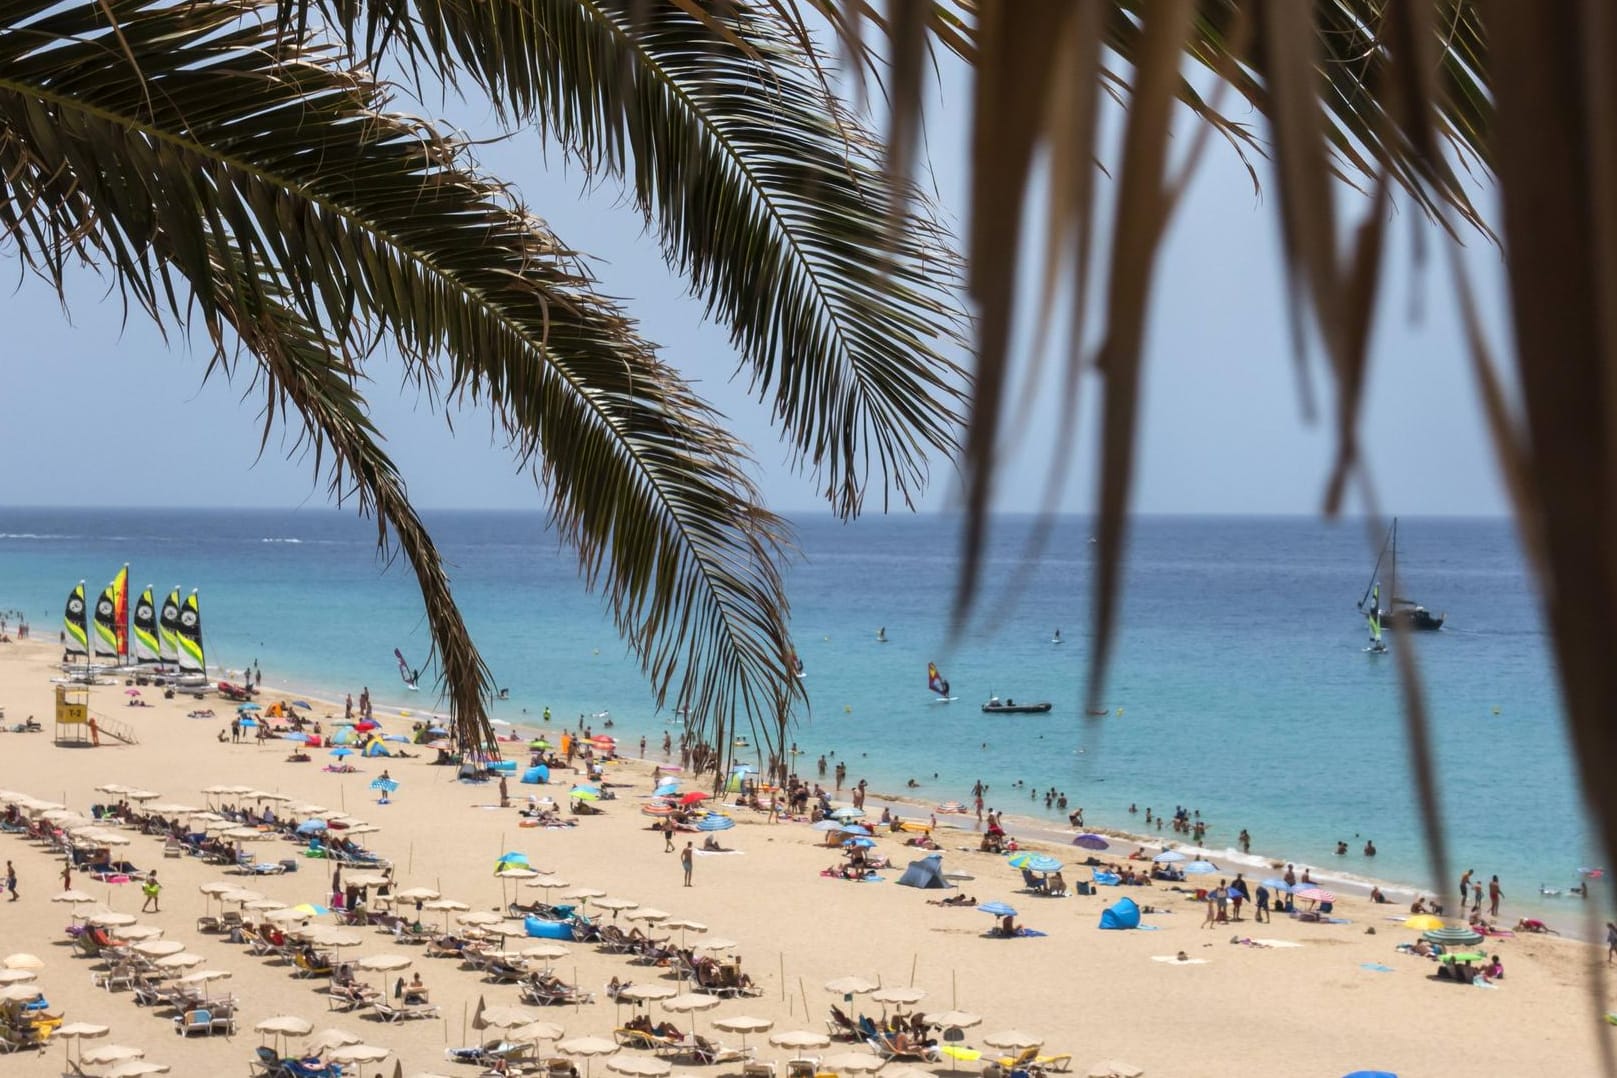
668 837
152 890
1494 895
11 880
687 858
67 875
1611 942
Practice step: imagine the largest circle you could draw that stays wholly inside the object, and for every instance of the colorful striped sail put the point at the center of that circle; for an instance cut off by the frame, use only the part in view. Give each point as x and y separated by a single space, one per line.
104 643
148 648
191 658
73 623
168 630
120 610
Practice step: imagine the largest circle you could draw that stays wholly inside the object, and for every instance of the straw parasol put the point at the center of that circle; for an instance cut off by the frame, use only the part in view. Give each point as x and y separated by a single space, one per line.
743 1024
74 897
283 1026
78 1031
159 948
384 963
329 1038
643 992
548 951
955 1019
328 936
853 1063
22 960
19 993
136 933
358 1053
1114 1068
799 1038
183 960
105 1054
898 994
616 905
287 915
850 986
718 943
18 976
649 915
507 1017
416 894
535 1031
548 882
588 1048
639 1066
1014 1039
112 920
479 918
137 1068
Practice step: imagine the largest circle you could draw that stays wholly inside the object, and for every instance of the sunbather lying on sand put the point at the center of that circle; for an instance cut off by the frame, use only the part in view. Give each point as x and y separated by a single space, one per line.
957 900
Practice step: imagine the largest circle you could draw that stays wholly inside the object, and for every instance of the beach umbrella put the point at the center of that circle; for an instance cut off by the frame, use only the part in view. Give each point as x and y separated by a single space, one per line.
714 821
955 1019
1116 1068
240 895
535 1031
358 1053
479 918
1020 860
717 943
285 1025
329 1038
22 960
183 960
365 879
850 986
1275 883
827 825
73 897
743 1024
20 993
205 977
104 1054
1463 956
136 933
1015 1039
264 905
1456 936
416 894
1423 922
342 750
657 808
446 906
649 915
685 925
143 795
384 963
643 992
248 706
131 692
690 1003
898 994
588 1048
1168 857
694 797
329 936
616 905
584 793
506 1017
639 1066
548 951
516 872
1315 894
1198 868
799 1038
386 785
112 920
853 1063
18 976
78 1031
846 813
512 857
286 916
998 909
549 883
860 843
1044 863
1091 842
303 704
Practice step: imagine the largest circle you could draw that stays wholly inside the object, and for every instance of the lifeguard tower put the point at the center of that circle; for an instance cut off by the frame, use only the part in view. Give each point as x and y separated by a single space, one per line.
73 715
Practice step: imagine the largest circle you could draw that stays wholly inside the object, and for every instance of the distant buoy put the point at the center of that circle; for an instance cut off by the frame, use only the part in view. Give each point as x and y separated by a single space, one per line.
1496 711
597 651
827 639
847 709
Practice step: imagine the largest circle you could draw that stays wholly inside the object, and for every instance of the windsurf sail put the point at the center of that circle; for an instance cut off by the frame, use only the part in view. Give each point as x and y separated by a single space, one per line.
120 609
192 660
104 644
934 680
405 672
1373 616
147 647
78 641
168 630
797 664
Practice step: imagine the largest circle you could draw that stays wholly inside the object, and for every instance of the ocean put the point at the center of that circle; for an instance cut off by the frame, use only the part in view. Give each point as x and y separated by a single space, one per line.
1240 687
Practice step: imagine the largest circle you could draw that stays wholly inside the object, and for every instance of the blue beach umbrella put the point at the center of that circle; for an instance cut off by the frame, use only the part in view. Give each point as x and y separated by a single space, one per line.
1044 863
512 857
715 822
1168 857
311 827
304 704
395 737
345 735
1275 883
998 909
1020 860
1199 868
828 825
248 720
854 829
386 785
247 707
342 750
847 813
437 731
294 737
1091 842
860 843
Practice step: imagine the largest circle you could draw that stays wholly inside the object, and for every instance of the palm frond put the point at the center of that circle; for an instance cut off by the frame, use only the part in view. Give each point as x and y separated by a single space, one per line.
158 136
765 195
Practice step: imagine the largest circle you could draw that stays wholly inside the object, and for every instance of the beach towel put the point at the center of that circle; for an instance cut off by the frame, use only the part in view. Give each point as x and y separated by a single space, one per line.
1375 967
1276 943
1021 933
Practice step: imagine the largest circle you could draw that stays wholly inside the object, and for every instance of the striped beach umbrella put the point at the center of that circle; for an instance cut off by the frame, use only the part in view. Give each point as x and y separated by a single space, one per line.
714 821
1315 894
1453 936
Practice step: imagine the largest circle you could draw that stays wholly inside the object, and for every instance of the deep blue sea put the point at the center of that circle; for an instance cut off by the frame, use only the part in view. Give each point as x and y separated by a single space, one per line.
1240 686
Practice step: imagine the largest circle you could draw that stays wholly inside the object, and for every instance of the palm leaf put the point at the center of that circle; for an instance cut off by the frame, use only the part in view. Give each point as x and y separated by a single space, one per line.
161 137
765 194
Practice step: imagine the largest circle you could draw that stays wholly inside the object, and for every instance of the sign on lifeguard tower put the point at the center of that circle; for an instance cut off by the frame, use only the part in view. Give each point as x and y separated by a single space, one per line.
72 714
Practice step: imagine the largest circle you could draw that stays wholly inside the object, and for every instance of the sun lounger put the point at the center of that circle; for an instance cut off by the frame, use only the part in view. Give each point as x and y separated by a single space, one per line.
1061 1061
390 1013
197 1021
710 1052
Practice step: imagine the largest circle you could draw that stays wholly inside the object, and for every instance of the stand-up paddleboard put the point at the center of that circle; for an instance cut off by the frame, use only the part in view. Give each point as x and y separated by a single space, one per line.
1056 639
409 676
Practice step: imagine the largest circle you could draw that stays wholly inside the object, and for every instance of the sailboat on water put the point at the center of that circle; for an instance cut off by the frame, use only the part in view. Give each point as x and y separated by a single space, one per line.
1373 617
939 686
410 677
1402 613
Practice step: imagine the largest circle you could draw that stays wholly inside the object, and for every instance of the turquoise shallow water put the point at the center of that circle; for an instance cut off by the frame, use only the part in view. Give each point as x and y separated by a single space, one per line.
1239 671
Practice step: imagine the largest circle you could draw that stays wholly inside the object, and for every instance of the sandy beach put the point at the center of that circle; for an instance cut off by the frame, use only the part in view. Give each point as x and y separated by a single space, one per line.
1332 998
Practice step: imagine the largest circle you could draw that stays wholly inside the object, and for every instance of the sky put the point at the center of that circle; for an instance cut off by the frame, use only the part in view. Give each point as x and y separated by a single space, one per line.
102 411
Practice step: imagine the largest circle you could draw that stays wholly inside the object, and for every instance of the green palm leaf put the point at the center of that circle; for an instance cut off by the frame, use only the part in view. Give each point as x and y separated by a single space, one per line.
767 196
173 140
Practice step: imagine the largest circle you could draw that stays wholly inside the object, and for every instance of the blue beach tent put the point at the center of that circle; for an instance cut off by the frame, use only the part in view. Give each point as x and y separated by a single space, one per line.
925 873
1121 914
536 775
